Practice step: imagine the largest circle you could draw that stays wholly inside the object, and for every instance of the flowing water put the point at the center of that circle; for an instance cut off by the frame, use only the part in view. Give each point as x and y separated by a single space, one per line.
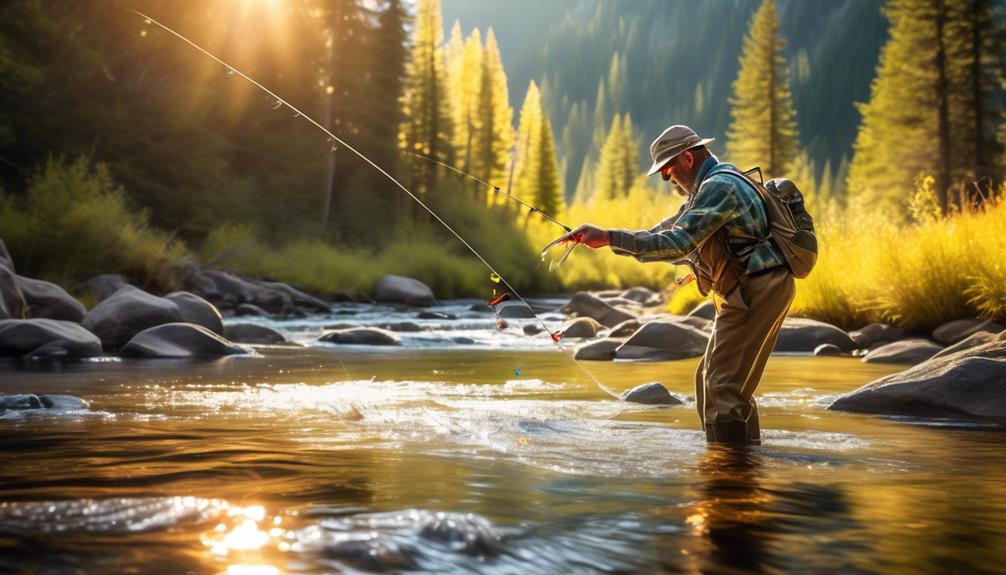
488 453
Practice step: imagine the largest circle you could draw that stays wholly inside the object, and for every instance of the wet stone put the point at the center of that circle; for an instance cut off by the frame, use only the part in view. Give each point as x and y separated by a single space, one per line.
653 393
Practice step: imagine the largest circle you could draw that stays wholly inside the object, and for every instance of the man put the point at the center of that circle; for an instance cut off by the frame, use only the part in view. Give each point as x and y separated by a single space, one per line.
722 233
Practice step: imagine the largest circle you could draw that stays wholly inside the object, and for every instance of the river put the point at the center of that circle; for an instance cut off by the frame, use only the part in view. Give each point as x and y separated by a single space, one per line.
496 455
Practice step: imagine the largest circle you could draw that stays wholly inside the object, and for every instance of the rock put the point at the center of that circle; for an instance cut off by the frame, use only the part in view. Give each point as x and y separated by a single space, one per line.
804 335
362 336
603 350
25 401
955 331
20 401
514 310
663 340
400 289
626 328
404 326
642 295
968 383
866 337
126 313
461 340
581 327
584 304
253 333
436 315
181 340
5 259
195 309
250 309
480 307
695 321
653 393
298 298
904 351
532 329
49 301
705 310
12 303
102 286
46 338
1001 336
620 301
215 285
973 340
827 349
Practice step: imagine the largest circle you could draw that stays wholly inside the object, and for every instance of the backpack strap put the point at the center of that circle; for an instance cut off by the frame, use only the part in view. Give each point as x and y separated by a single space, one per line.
744 178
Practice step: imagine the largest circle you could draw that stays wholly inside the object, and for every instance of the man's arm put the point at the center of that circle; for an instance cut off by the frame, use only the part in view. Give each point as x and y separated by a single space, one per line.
715 203
669 222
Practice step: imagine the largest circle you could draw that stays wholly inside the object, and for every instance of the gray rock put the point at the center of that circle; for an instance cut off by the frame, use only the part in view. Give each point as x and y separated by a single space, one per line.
436 315
603 350
249 310
46 338
298 298
481 308
973 340
626 328
12 304
653 393
584 304
532 329
19 402
957 330
827 349
867 336
696 322
195 309
215 285
102 286
581 327
804 335
620 301
180 340
402 326
5 259
663 340
705 310
642 295
49 301
362 336
253 333
400 289
514 310
25 401
126 313
905 351
968 383
461 340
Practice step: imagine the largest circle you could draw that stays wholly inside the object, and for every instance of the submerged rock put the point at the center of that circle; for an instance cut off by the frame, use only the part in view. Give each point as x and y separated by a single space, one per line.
402 326
584 304
955 331
195 309
46 338
253 333
126 313
603 350
804 335
181 340
30 401
514 310
663 340
404 290
581 327
905 351
49 301
968 383
362 336
653 393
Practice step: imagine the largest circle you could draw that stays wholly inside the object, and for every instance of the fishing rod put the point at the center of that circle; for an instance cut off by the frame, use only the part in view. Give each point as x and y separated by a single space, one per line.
280 102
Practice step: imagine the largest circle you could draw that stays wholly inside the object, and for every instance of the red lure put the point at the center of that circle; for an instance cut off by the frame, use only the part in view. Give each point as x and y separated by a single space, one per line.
498 299
556 335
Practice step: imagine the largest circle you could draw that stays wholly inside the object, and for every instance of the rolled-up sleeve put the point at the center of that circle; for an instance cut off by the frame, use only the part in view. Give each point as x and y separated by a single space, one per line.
714 205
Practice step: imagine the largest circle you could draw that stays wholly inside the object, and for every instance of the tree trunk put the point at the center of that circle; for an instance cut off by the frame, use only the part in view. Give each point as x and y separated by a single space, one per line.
943 112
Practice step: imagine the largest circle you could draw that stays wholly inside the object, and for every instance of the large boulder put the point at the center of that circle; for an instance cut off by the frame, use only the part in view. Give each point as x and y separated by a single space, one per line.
705 310
181 340
584 304
46 338
663 340
400 289
48 300
102 286
603 350
804 335
581 327
195 309
969 383
362 336
12 304
973 340
827 349
905 351
253 333
865 337
299 298
957 330
626 328
653 393
126 313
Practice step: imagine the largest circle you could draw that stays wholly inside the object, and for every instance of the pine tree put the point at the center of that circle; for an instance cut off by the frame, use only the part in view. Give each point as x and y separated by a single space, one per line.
619 161
537 179
465 74
763 129
427 128
549 196
493 128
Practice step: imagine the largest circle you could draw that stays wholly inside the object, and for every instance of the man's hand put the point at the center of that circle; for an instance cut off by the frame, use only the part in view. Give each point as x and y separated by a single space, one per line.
588 235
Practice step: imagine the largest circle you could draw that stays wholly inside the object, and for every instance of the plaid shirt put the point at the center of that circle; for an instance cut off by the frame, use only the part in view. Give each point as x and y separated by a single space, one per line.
722 201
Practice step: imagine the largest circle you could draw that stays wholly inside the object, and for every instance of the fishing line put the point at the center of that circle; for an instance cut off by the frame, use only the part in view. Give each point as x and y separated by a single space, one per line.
280 102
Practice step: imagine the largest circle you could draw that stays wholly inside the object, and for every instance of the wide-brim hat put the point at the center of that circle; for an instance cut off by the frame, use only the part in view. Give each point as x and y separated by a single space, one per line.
672 142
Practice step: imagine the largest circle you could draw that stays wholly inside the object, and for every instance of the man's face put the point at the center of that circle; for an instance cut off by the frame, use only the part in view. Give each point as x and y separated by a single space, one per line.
679 170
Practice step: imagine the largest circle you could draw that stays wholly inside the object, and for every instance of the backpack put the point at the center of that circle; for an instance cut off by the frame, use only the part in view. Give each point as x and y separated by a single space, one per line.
790 226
